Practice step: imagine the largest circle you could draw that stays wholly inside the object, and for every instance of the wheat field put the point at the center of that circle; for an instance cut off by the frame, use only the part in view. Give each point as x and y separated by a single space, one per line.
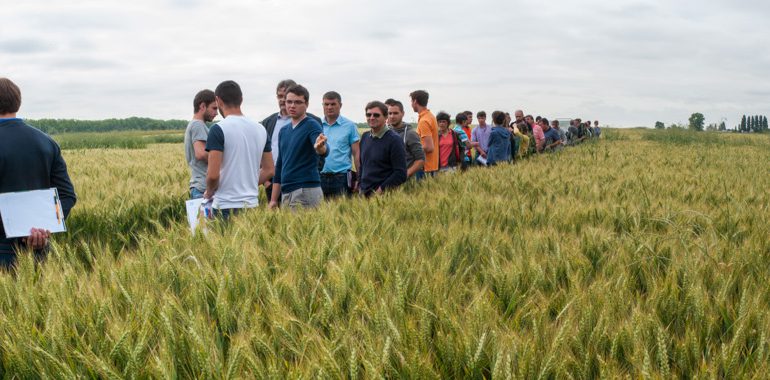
643 255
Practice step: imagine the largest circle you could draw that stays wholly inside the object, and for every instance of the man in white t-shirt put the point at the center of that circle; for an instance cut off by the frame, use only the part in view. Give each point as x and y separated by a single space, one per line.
240 157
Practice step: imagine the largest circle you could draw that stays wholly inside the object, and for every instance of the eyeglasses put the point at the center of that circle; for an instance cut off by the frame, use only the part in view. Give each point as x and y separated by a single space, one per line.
374 115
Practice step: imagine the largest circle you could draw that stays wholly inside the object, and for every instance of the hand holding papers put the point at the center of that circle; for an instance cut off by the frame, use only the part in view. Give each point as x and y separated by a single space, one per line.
198 212
25 210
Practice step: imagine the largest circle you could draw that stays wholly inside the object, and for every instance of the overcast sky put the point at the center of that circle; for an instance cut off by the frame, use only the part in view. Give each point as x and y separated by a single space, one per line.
626 63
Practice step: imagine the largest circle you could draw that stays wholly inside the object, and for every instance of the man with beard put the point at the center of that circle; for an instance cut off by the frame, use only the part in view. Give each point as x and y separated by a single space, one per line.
195 136
415 156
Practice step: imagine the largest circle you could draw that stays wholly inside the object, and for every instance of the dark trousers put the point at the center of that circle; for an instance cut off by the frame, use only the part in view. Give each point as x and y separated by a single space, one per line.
8 255
334 184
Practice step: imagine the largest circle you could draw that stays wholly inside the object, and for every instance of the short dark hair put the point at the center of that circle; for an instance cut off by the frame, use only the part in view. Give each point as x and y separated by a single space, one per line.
203 96
461 117
555 122
443 116
538 118
286 83
395 103
498 117
481 114
333 95
379 105
421 97
544 120
469 113
299 90
10 96
230 93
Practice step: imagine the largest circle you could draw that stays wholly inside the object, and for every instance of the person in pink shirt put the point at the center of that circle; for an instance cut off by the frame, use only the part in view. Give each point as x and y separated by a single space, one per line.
537 131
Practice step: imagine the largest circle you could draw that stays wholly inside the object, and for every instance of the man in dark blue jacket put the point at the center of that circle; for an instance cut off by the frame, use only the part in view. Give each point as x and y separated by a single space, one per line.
297 181
29 160
383 156
275 122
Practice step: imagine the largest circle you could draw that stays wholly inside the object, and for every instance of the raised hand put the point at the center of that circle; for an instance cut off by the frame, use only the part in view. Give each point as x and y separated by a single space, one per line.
320 141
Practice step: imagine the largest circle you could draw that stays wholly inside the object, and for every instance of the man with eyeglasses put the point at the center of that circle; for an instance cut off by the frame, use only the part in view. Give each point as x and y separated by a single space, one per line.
277 121
383 157
415 156
297 181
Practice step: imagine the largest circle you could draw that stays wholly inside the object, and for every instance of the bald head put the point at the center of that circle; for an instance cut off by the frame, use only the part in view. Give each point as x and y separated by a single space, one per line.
519 115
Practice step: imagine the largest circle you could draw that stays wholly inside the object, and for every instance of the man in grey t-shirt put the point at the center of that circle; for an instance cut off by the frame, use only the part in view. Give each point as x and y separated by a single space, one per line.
415 155
205 108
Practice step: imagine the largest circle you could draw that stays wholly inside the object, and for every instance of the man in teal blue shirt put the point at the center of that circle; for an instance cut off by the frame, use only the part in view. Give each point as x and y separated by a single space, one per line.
342 141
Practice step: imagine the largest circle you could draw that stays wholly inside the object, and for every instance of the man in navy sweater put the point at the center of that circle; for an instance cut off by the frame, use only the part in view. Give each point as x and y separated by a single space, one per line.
29 160
383 157
297 181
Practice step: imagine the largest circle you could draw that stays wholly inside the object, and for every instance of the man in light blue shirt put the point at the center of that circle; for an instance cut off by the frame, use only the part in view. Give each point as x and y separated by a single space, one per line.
342 141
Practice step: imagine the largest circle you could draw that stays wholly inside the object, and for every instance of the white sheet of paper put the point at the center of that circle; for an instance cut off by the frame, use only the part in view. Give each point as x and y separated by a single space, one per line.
25 210
193 208
481 160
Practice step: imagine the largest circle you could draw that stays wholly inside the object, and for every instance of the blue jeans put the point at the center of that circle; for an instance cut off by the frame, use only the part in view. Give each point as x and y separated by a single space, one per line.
334 184
225 213
195 193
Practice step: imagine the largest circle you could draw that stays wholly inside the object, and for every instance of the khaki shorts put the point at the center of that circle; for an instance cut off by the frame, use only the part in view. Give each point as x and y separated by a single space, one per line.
309 197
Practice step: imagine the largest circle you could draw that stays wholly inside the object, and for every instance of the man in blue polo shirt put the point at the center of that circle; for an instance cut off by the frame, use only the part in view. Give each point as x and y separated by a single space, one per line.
342 135
29 160
297 181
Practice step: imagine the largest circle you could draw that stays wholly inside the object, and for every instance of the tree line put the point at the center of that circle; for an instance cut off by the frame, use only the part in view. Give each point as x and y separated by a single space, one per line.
55 126
756 124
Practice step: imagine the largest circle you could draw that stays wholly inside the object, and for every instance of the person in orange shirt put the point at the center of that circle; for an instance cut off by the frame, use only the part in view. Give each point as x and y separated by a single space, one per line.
427 128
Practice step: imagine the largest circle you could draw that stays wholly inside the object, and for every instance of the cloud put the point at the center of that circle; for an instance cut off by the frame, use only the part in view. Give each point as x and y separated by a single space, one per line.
626 62
24 46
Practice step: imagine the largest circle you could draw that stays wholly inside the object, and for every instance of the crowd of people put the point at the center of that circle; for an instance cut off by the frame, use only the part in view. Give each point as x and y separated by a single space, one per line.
300 159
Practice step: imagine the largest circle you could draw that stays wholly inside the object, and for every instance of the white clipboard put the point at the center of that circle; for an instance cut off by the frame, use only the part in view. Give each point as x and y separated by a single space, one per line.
24 210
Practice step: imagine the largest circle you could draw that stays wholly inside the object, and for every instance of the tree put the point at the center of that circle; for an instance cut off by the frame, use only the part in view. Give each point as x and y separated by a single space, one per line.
722 126
696 122
752 123
712 127
743 124
659 125
764 123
